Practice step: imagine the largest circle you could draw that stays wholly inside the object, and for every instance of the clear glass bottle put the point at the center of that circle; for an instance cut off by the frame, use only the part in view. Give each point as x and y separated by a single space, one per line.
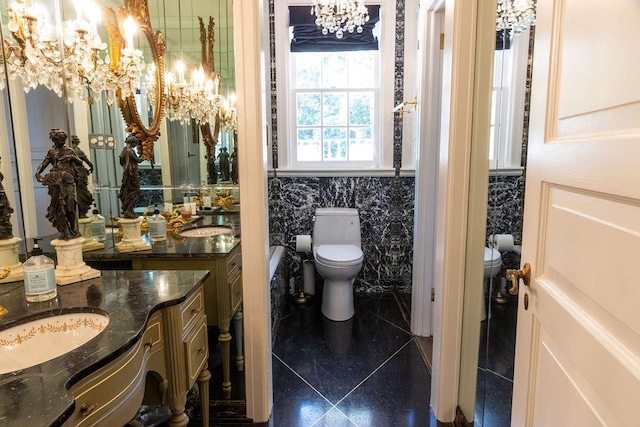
206 198
98 227
157 226
39 276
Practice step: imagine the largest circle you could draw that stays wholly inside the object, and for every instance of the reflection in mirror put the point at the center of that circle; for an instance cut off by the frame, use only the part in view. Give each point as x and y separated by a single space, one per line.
507 148
121 25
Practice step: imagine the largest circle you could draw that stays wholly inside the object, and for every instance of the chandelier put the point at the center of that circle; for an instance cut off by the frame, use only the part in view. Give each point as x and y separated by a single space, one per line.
515 15
340 16
80 66
196 99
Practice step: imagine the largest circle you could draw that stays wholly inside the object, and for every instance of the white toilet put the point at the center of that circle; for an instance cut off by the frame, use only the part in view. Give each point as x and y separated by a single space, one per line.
492 266
338 258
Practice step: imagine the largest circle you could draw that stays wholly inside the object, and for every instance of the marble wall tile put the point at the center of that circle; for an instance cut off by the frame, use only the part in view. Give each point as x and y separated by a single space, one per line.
504 215
387 245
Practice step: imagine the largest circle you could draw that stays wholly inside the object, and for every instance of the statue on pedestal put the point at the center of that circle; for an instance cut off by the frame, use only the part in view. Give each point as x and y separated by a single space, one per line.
85 198
130 188
61 183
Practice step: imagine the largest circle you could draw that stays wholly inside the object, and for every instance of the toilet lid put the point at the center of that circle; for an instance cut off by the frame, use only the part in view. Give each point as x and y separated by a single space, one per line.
339 254
492 255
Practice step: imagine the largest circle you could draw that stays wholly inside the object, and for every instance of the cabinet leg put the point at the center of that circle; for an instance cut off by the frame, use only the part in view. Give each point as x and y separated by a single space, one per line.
203 387
225 341
237 322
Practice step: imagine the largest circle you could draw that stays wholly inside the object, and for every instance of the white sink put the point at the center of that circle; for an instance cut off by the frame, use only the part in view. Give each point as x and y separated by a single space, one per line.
207 231
38 341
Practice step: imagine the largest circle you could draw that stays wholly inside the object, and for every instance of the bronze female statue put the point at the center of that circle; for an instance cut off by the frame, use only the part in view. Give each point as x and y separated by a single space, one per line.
130 188
6 230
61 183
224 163
85 198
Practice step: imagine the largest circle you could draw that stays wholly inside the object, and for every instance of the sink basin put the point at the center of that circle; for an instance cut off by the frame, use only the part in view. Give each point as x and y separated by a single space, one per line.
31 343
208 231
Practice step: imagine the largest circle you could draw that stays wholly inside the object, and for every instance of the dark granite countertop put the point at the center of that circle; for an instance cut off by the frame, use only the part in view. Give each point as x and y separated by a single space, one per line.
174 246
38 396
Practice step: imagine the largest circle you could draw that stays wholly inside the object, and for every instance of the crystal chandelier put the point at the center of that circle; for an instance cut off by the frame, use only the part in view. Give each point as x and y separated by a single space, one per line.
80 66
196 99
340 16
515 15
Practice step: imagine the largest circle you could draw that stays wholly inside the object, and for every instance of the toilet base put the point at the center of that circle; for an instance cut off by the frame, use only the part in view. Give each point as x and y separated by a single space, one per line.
337 300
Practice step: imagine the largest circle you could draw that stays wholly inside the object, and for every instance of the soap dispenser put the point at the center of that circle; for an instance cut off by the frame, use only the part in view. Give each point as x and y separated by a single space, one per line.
39 276
157 226
98 228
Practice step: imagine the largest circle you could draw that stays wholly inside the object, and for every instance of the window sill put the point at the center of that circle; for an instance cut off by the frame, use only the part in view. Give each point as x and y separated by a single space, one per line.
341 172
514 171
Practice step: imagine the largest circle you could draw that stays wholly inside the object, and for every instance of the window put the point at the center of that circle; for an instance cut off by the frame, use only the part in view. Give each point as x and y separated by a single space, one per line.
335 115
332 102
508 103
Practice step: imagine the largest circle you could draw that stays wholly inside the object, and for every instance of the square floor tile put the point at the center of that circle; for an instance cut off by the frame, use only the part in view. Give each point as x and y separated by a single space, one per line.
397 394
295 404
335 356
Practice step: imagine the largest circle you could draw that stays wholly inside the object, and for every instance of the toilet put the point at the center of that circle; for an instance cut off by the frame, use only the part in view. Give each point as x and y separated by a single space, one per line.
338 258
492 267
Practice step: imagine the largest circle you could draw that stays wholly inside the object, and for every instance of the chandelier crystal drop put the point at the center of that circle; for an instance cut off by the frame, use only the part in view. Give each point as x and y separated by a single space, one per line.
515 15
340 16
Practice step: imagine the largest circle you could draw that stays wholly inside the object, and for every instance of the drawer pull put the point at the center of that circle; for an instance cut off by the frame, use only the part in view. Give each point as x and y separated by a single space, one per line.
86 410
201 350
148 346
194 311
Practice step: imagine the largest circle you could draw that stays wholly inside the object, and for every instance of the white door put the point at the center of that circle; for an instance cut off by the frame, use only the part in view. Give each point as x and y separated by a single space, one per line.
578 343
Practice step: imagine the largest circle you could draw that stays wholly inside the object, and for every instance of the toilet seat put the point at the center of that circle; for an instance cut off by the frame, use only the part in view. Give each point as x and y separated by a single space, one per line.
339 255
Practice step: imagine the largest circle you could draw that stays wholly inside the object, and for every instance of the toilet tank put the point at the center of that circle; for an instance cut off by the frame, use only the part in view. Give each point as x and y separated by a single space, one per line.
336 226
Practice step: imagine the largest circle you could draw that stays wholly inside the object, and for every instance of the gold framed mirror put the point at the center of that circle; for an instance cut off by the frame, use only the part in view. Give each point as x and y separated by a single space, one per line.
139 11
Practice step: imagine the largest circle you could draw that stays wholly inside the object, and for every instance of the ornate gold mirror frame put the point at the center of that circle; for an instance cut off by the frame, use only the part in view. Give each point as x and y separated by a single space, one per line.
207 40
139 10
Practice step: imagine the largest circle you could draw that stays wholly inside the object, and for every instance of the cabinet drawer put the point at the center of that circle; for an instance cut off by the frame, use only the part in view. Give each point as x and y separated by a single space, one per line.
234 262
113 395
235 290
197 351
191 309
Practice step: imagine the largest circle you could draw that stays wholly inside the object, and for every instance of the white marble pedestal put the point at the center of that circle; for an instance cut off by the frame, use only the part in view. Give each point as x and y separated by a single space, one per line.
10 261
90 243
131 239
70 267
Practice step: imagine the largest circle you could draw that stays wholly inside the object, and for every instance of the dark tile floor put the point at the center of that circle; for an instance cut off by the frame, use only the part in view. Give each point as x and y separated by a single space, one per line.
495 364
366 371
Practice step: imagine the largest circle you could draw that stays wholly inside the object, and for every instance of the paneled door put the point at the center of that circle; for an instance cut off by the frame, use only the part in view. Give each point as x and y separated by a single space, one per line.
578 334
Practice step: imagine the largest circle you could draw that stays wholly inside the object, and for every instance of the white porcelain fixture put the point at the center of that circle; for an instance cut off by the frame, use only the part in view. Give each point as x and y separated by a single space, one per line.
492 266
39 341
338 258
209 231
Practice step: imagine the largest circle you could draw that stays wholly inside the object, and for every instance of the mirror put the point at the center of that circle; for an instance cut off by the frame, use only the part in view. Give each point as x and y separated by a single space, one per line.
507 158
147 131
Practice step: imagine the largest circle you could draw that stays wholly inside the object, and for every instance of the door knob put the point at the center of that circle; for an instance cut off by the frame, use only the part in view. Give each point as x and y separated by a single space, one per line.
516 275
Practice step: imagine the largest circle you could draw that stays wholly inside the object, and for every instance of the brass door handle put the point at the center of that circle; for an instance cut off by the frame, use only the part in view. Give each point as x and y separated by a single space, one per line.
516 275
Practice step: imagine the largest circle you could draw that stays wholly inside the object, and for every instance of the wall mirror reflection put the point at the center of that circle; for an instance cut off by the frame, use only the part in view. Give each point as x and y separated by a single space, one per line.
58 72
507 169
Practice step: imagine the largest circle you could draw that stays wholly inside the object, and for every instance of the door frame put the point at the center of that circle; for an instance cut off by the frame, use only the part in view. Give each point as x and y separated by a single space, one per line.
461 204
428 129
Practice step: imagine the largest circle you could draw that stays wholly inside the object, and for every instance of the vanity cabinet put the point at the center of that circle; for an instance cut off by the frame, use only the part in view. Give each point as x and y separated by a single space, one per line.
222 296
173 347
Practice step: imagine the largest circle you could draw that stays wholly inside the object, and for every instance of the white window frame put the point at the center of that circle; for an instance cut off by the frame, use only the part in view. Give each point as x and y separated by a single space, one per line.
509 77
285 105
